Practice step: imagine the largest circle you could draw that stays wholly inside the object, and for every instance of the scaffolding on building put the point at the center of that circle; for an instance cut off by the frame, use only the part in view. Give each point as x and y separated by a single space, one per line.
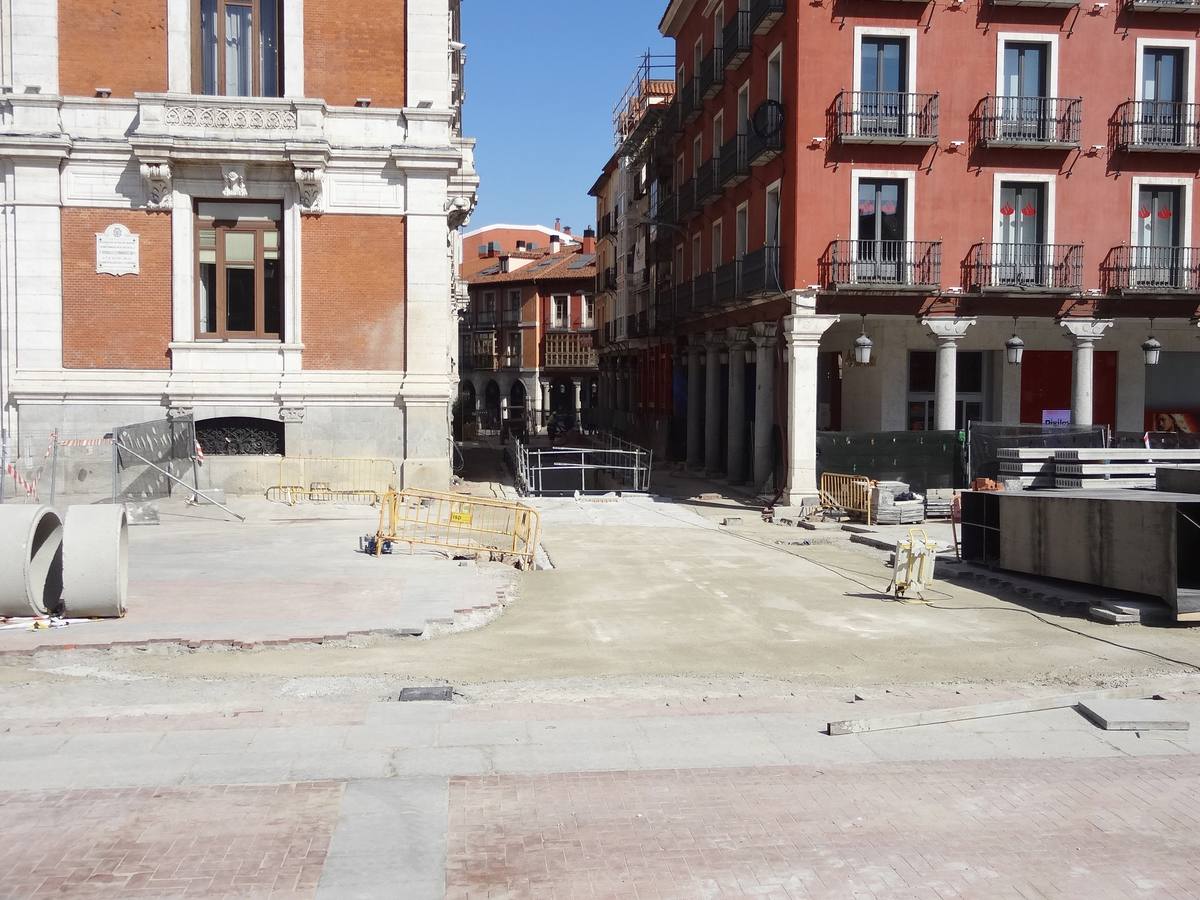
644 104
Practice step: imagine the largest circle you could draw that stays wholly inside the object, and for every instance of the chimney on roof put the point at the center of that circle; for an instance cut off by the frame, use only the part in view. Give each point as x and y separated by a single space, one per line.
589 241
555 244
567 230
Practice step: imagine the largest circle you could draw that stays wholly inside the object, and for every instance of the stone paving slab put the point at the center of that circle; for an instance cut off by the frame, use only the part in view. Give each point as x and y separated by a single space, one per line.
252 841
1100 829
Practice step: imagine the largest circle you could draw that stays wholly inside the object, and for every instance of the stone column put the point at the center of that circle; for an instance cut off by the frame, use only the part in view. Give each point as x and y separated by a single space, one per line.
802 331
764 403
576 391
712 405
544 394
695 378
735 443
1085 332
948 333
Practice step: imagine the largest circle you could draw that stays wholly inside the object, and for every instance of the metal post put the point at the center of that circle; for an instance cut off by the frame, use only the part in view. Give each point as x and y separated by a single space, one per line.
3 464
117 443
116 466
53 465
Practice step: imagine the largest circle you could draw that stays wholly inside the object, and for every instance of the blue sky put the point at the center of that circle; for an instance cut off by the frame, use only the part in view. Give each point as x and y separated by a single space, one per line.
541 86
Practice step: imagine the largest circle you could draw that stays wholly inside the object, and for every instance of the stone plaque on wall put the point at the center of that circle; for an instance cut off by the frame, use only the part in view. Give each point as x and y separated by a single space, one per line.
117 251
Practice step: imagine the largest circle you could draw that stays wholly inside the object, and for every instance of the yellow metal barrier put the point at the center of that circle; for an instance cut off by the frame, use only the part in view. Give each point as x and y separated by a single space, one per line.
459 523
333 480
849 492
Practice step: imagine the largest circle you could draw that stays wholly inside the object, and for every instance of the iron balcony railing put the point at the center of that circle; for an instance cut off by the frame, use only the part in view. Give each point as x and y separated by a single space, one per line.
764 14
1152 270
664 303
1030 121
666 211
1038 268
735 162
739 37
683 298
485 319
712 74
511 316
691 101
728 288
608 279
1164 6
608 225
760 272
708 182
883 265
702 291
686 200
765 141
1157 125
886 117
631 326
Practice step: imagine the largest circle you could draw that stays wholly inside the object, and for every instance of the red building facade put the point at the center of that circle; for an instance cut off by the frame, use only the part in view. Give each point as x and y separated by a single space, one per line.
936 176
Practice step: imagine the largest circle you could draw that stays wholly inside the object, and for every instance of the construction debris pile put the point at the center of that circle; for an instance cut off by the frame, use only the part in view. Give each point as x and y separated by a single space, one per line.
894 503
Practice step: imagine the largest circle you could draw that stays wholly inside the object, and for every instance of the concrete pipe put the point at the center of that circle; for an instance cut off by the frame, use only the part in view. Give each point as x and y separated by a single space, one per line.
96 561
31 561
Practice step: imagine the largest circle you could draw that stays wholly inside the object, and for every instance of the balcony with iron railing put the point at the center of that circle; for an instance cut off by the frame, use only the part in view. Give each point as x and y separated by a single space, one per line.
684 295
764 14
1042 4
708 182
760 272
702 292
1156 126
666 210
885 117
608 279
485 318
765 141
1034 122
728 284
691 101
510 316
1163 6
739 38
566 350
1151 270
712 74
893 266
1025 268
686 201
735 162
664 304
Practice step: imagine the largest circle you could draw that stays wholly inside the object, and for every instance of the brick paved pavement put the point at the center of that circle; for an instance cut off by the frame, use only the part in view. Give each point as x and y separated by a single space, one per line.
1095 829
245 841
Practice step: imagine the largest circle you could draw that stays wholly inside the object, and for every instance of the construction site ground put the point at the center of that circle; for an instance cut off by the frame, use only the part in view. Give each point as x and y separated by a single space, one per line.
644 719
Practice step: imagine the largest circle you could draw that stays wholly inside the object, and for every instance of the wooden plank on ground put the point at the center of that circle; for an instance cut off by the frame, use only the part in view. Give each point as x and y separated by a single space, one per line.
1011 707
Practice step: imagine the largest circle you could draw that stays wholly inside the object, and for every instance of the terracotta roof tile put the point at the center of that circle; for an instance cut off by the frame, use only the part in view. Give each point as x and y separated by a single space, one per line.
568 264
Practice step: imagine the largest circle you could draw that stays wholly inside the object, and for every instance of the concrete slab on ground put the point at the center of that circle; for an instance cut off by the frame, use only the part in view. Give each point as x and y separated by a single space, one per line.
1137 715
284 574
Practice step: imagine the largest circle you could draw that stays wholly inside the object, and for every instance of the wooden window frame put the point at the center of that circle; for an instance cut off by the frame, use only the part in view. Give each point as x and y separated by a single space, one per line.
233 226
255 42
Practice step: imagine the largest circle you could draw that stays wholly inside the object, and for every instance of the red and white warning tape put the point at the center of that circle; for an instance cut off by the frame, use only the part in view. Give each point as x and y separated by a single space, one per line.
199 453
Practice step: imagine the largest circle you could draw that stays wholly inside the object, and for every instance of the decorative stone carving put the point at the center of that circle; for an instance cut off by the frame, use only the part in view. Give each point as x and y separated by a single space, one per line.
259 118
235 181
178 412
291 414
311 181
458 211
157 178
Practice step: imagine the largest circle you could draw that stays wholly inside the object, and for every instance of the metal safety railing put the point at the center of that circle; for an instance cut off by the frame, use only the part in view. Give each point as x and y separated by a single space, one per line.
457 523
609 464
849 493
309 479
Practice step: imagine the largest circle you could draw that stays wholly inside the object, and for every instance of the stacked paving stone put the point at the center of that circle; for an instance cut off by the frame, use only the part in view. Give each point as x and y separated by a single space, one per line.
938 503
894 503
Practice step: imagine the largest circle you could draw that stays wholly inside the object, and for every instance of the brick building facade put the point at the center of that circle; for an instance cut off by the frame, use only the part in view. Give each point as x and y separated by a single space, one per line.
528 336
282 184
930 177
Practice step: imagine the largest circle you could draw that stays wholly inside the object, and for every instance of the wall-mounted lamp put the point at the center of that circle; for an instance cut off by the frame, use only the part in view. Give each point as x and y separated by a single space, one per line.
1014 347
817 141
1152 348
1095 150
1097 8
954 146
863 346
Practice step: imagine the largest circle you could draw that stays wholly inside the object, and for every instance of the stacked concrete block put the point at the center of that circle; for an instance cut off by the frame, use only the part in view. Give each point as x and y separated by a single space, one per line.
1114 468
1030 467
894 503
938 503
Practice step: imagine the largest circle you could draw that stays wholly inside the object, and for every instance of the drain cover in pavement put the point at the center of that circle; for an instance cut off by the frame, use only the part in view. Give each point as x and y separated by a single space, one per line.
439 692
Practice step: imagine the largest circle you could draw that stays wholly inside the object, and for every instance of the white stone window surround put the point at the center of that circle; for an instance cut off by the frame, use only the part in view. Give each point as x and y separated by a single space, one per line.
1004 38
862 31
179 46
1148 43
910 197
1049 179
1140 181
192 354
